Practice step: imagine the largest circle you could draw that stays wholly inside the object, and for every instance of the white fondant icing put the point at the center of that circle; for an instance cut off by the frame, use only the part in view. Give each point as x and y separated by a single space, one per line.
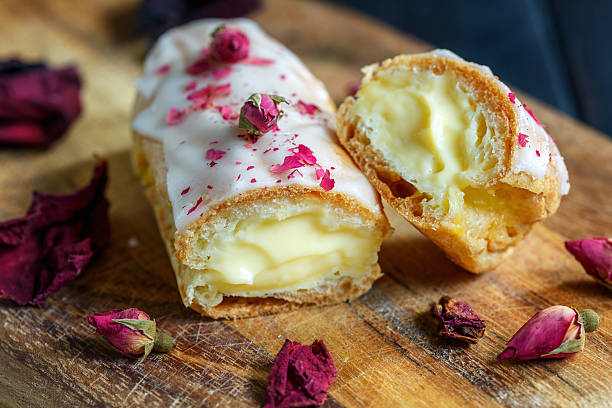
185 144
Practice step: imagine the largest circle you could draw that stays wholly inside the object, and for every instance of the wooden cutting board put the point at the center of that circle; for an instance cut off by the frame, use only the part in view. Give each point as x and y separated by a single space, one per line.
384 343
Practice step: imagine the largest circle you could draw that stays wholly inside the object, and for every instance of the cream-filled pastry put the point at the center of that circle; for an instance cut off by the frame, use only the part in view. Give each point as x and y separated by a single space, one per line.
257 217
452 149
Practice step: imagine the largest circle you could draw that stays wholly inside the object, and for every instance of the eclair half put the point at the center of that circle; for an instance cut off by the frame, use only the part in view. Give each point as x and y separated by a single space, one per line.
253 224
455 152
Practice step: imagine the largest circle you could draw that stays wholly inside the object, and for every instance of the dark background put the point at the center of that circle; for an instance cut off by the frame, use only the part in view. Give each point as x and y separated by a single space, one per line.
557 50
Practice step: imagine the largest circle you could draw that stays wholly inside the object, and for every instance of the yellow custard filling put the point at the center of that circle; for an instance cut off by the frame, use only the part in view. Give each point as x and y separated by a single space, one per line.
296 246
430 131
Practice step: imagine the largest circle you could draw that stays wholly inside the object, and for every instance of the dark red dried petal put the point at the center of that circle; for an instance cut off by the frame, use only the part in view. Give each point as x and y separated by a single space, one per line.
54 241
300 376
37 105
458 320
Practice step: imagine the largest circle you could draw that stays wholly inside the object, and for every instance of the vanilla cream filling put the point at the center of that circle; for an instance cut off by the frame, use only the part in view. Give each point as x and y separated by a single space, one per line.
430 130
295 246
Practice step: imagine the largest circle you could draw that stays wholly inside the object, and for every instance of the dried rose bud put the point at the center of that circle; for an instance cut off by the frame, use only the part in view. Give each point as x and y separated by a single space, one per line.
595 255
555 332
260 113
457 320
229 44
300 376
131 331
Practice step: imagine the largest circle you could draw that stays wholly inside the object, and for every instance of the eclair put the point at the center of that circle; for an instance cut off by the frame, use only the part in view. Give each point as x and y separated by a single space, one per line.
455 152
260 208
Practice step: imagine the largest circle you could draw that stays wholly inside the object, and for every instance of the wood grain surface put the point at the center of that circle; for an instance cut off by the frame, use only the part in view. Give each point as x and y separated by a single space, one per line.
384 344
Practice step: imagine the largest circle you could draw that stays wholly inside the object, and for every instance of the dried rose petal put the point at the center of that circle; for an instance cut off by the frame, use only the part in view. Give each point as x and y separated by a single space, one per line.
327 183
229 44
202 64
289 163
555 332
307 109
37 104
131 331
53 242
221 72
257 61
595 255
204 97
260 113
353 87
457 320
300 376
175 116
212 154
227 113
523 139
305 154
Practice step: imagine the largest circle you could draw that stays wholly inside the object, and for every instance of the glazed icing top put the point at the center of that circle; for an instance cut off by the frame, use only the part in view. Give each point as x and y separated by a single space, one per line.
534 152
195 183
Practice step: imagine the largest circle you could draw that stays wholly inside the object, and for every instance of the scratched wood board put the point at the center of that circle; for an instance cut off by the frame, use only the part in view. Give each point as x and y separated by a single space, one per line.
384 344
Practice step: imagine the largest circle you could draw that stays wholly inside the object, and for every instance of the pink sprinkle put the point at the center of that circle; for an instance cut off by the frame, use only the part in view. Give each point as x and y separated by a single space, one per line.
212 164
212 154
195 206
175 116
327 183
248 146
522 139
257 61
185 191
538 153
275 149
213 142
250 167
163 69
209 187
227 113
238 162
279 180
283 77
183 142
267 150
253 180
307 109
238 178
221 72
191 85
512 97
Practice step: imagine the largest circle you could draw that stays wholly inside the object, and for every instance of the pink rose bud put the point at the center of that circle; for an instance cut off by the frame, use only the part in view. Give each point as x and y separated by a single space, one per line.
595 255
229 44
131 331
555 332
260 113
